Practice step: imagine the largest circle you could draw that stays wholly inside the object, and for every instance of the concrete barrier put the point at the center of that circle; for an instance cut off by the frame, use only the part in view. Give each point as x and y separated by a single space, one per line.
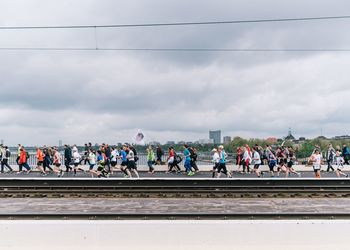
171 235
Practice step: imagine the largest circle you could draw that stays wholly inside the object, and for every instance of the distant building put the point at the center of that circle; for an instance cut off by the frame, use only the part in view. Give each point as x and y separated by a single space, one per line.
205 141
154 143
227 139
290 136
215 135
342 137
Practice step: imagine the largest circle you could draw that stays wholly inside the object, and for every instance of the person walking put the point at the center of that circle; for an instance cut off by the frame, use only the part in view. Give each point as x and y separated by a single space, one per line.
346 154
187 164
159 153
150 159
67 157
330 155
6 154
23 161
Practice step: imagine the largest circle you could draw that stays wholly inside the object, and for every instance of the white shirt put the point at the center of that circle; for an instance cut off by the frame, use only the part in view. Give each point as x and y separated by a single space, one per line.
317 160
92 158
216 157
114 155
246 155
76 157
256 158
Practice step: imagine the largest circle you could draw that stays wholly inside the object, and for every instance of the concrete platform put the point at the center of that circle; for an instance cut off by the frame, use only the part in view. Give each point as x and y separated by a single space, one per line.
172 206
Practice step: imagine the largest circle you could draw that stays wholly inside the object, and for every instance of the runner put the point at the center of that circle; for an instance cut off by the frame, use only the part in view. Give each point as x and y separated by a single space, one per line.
67 158
101 172
330 155
40 161
272 160
339 161
124 164
316 160
246 159
215 160
187 163
76 162
222 163
290 162
92 162
114 159
131 162
239 156
256 161
281 161
194 156
57 163
47 159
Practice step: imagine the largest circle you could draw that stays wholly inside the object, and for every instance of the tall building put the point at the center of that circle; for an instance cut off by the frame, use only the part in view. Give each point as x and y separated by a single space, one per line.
227 139
215 135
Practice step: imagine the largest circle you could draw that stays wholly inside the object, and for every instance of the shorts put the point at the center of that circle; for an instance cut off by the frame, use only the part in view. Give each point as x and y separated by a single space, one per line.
316 168
272 164
124 164
113 163
132 165
76 164
58 165
100 168
256 166
40 163
290 164
222 166
215 166
340 167
92 166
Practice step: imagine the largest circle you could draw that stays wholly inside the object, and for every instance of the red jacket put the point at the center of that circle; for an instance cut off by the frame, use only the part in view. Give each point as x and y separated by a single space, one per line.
23 157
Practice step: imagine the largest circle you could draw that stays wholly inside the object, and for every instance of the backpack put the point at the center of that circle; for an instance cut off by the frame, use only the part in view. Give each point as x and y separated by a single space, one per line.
27 155
177 159
8 153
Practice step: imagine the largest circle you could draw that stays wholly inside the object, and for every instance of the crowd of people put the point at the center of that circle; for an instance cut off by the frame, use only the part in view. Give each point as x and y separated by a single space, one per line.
104 160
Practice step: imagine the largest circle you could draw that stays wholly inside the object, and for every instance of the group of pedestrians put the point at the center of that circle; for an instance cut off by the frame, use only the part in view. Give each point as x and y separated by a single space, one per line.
279 160
104 160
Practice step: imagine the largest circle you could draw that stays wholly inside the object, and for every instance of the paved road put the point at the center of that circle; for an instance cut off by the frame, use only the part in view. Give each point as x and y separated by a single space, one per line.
308 174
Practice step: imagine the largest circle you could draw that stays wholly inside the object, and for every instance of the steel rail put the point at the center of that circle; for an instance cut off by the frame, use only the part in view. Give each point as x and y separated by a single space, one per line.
180 216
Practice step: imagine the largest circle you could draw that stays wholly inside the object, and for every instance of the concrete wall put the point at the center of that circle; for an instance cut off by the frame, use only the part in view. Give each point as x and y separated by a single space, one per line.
171 235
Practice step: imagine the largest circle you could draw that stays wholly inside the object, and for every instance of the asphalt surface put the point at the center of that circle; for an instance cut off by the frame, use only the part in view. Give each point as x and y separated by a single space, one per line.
308 174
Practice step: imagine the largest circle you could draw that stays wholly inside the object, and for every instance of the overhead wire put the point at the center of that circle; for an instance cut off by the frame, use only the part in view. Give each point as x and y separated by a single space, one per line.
178 23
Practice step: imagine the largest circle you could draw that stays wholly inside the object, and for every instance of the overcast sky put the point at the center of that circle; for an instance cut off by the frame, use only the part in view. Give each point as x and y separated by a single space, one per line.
106 96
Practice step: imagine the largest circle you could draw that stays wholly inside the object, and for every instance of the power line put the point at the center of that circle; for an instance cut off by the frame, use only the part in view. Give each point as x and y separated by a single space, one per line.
169 49
176 23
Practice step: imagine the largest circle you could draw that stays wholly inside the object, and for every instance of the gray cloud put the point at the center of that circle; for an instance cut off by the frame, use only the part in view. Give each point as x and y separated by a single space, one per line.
106 96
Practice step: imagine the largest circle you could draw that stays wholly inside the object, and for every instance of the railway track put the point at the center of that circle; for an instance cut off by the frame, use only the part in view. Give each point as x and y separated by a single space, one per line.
175 188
